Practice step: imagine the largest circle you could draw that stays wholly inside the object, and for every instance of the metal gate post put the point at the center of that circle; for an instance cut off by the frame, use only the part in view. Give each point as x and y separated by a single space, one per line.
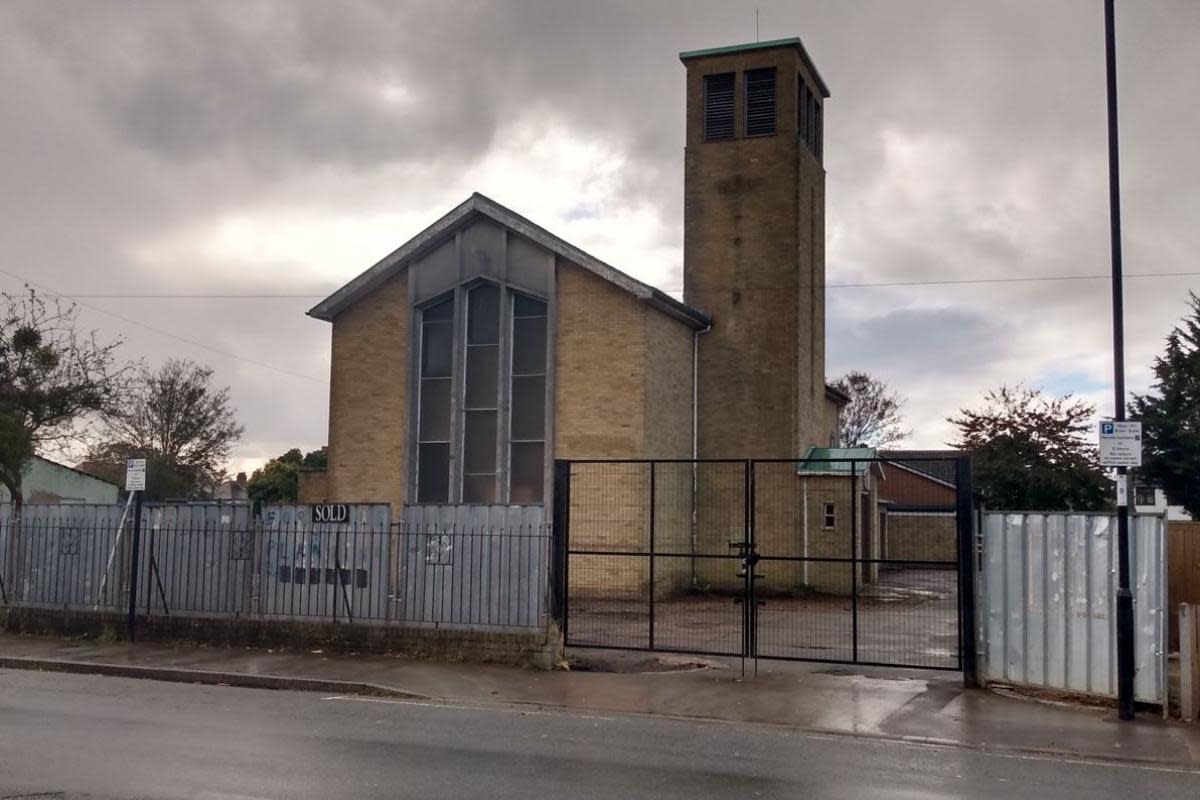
747 571
752 561
560 536
854 560
651 582
964 519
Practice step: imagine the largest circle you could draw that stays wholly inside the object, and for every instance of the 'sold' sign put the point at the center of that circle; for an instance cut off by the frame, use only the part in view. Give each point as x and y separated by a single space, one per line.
331 512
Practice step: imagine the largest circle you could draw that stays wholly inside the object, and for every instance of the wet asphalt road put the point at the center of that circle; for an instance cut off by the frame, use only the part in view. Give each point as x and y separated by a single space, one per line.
88 736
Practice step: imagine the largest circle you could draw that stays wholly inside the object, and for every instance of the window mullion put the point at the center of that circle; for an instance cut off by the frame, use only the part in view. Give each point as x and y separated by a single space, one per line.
458 395
504 400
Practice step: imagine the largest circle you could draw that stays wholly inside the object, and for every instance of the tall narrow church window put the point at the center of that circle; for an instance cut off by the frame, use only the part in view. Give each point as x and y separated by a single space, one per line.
527 424
433 427
481 396
760 102
718 106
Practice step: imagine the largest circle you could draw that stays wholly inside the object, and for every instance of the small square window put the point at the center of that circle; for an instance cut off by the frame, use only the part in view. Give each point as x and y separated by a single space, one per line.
1144 496
829 514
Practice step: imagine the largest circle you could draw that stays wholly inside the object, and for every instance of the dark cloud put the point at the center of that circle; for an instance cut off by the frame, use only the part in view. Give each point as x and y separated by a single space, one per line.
178 146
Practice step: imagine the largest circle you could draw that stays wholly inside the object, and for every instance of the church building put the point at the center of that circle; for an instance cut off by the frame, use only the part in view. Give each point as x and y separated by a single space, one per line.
474 355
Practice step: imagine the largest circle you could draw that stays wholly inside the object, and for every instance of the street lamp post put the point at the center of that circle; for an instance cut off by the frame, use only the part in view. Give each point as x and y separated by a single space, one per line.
1125 658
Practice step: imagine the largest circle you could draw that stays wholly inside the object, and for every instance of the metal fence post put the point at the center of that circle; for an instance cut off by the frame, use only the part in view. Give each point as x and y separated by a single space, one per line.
560 535
964 519
1189 663
854 559
653 502
131 623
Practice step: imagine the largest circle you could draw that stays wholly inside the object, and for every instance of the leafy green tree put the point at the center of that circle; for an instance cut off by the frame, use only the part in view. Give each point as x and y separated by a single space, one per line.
54 380
872 417
278 481
1033 452
1170 415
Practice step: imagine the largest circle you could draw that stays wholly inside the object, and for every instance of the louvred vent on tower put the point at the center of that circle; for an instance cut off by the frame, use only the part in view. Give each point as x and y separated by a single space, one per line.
718 106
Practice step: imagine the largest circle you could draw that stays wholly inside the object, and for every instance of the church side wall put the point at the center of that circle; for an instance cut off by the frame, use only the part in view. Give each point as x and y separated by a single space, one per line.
668 358
600 412
368 399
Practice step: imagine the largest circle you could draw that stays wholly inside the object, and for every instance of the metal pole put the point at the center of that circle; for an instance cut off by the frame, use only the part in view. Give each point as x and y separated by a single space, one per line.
964 522
136 536
854 560
1125 656
653 503
559 595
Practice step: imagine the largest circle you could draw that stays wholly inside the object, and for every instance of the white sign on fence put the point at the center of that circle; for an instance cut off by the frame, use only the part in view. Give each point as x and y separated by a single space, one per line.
1120 444
135 475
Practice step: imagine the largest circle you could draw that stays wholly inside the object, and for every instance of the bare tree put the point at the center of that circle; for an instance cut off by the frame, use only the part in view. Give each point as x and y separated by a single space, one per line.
177 420
872 417
54 380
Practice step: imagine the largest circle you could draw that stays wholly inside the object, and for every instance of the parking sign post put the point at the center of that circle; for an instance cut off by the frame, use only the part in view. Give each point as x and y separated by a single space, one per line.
135 481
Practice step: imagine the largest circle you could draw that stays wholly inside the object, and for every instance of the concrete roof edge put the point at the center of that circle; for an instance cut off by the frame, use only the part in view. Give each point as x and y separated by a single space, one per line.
792 41
478 203
836 394
387 266
84 473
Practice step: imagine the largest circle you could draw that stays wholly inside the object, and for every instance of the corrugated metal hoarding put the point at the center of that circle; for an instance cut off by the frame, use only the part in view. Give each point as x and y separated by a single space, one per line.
475 565
337 566
63 557
1047 602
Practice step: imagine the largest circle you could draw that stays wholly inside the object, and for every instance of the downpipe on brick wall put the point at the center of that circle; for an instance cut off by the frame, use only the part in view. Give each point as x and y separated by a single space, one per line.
696 443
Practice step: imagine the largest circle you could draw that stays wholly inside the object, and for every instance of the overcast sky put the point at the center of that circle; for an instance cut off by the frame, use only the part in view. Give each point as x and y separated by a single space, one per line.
247 148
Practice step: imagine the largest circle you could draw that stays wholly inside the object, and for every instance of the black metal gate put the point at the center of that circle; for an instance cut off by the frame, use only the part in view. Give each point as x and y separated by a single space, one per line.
845 560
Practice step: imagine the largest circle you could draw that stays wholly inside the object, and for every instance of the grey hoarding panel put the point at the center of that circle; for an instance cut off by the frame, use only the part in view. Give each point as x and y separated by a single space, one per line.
474 566
1048 598
333 570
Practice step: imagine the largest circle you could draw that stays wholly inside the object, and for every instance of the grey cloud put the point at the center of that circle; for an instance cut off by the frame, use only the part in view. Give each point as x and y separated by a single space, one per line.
125 121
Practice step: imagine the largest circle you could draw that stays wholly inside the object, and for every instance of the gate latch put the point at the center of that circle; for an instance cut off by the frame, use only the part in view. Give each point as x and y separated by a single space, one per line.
748 562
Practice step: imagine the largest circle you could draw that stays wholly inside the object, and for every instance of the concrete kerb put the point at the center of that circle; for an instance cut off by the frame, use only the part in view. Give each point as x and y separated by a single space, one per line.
211 677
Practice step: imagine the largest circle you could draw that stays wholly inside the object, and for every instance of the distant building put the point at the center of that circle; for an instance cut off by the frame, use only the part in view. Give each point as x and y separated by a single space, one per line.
917 495
234 490
1152 500
45 481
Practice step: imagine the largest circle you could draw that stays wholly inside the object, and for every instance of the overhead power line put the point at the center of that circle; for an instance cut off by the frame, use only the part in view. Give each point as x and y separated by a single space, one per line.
162 332
862 285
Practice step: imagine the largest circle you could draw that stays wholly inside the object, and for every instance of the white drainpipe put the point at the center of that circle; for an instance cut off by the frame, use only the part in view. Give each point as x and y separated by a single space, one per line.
696 441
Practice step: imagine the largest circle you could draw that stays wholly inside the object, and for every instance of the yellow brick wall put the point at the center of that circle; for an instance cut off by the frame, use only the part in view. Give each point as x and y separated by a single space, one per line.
623 390
920 537
754 259
600 368
368 399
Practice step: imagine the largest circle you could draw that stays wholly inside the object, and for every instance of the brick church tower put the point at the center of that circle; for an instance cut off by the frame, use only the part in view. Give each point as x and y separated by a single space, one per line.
754 248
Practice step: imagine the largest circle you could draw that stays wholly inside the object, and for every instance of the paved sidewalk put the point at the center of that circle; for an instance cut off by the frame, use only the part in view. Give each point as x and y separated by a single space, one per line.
903 704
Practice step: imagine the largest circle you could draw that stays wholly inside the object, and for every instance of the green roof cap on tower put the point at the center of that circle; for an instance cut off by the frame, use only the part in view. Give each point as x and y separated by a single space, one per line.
793 41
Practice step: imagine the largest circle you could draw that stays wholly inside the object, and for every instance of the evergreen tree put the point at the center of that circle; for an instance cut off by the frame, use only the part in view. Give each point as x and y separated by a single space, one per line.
1170 416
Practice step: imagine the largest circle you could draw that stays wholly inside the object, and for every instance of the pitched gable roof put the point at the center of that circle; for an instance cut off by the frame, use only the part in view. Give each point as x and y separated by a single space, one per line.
478 205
